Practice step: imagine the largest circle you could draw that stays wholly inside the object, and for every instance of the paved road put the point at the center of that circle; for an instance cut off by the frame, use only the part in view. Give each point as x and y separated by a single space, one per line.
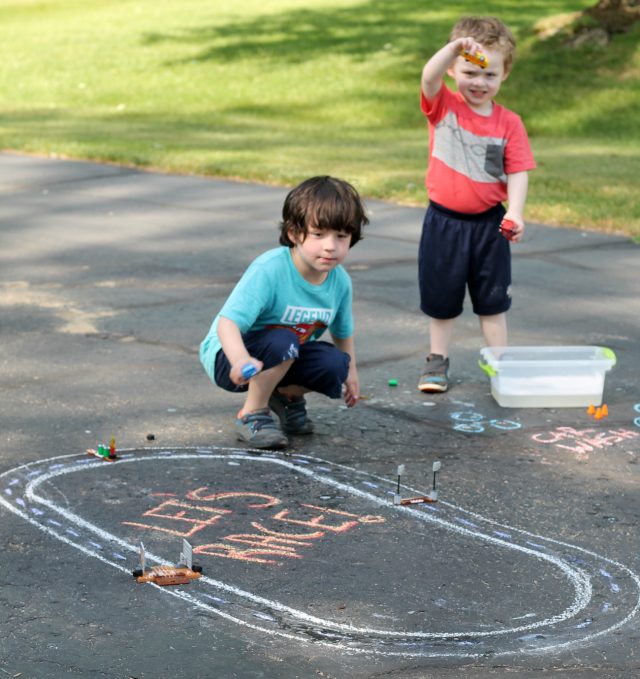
527 565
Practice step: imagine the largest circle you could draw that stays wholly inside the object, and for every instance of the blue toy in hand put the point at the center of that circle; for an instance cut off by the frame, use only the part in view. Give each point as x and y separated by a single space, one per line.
249 370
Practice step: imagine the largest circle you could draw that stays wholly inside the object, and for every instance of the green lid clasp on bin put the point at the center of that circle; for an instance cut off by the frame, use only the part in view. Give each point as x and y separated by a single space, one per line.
486 368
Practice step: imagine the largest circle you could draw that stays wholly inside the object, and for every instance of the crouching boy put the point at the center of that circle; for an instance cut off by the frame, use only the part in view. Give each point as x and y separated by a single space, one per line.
273 319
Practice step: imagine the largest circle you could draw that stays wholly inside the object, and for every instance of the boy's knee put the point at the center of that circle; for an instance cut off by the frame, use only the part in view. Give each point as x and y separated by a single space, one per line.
322 368
335 362
333 380
329 371
283 344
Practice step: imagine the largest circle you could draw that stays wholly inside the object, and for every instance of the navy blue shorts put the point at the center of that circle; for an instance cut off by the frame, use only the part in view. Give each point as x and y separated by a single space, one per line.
458 250
318 366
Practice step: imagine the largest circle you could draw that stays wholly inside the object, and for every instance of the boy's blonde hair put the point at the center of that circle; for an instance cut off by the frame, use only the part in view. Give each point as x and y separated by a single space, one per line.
488 31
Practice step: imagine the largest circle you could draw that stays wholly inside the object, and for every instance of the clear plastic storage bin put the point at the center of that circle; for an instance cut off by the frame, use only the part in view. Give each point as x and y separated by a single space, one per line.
547 377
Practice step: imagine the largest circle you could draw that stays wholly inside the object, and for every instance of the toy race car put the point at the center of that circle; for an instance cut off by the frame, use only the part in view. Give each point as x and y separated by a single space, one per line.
476 58
181 574
168 575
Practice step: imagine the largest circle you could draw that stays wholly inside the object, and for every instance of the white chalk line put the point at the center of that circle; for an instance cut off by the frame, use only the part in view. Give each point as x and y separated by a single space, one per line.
539 649
580 581
185 596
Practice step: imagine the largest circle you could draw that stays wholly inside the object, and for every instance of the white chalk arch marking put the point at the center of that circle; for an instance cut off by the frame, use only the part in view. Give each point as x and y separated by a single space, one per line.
517 639
578 579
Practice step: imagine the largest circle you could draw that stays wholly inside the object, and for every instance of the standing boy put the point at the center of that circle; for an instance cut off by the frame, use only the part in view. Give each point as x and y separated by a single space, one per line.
479 156
273 318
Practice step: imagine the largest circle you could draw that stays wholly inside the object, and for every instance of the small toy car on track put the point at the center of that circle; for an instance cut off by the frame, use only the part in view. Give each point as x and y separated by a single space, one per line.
181 574
168 575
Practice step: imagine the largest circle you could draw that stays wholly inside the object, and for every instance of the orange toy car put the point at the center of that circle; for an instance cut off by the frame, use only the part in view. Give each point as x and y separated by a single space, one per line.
476 58
181 574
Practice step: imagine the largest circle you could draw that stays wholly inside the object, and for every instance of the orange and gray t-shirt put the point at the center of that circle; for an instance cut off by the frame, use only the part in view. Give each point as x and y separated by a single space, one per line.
470 155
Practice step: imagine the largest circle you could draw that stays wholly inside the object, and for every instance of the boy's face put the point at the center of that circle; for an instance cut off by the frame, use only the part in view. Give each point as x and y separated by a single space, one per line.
477 85
319 252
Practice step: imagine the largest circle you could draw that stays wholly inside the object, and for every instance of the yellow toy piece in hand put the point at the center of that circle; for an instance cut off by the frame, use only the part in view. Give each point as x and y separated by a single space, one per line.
476 58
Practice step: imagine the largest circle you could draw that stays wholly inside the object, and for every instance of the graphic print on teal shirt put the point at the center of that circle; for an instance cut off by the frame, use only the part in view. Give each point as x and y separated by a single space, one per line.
272 293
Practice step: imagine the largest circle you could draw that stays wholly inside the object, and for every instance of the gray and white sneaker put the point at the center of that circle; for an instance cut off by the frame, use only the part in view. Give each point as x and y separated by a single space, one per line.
435 378
292 413
260 430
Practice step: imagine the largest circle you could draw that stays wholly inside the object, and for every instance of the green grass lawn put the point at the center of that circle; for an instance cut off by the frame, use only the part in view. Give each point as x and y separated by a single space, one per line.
279 91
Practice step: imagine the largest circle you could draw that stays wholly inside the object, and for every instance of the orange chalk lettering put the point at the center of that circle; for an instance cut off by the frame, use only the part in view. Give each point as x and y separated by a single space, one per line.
174 510
198 494
250 555
296 536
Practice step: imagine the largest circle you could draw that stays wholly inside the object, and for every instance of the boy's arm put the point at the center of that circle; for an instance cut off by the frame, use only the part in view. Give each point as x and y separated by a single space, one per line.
517 187
352 384
234 349
435 69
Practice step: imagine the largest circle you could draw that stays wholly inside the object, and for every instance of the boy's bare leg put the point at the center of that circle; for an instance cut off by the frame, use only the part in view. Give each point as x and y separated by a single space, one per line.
289 405
292 391
435 378
261 387
441 333
494 329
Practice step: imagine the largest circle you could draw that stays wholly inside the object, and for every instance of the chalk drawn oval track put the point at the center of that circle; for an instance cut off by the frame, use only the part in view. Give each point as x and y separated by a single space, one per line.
310 550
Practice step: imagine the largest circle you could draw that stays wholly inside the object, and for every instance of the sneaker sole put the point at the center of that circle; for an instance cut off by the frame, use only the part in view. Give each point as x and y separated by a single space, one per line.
264 445
298 432
432 388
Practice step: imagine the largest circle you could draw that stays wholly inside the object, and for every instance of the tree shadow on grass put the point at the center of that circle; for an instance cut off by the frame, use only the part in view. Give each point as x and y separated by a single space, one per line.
551 79
410 27
548 77
299 35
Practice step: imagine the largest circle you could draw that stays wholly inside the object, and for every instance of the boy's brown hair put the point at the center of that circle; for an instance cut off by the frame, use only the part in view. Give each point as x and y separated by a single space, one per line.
322 203
488 31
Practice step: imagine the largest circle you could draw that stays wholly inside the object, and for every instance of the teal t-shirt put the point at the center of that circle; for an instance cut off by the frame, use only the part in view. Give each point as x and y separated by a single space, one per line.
273 294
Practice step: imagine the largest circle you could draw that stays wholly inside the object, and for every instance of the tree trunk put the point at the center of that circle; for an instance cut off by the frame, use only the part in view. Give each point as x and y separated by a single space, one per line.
615 16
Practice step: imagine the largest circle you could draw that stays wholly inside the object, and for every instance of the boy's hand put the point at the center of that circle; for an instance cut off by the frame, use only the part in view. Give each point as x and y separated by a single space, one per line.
351 389
436 68
236 369
465 45
518 227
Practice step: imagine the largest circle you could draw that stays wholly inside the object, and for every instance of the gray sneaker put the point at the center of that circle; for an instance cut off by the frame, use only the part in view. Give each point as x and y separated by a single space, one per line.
259 429
435 378
292 413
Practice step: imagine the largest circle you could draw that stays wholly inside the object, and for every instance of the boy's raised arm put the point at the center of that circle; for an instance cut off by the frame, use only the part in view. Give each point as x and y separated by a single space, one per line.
435 69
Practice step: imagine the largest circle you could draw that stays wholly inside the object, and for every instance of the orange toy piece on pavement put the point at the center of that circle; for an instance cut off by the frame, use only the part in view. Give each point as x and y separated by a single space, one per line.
598 413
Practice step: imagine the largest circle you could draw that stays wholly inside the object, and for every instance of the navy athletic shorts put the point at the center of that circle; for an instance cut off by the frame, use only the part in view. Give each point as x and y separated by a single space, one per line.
459 251
317 366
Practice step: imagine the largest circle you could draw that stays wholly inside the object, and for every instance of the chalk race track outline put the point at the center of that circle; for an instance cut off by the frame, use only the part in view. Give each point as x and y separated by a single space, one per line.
601 595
